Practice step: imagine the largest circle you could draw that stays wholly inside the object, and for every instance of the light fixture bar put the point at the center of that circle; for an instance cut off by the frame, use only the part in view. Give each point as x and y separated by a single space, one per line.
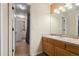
21 6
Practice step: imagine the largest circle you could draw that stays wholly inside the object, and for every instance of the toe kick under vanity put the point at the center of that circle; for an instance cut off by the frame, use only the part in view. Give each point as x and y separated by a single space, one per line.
60 46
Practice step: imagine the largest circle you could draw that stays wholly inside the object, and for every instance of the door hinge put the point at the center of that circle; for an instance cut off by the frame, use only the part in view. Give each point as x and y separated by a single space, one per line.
12 29
12 50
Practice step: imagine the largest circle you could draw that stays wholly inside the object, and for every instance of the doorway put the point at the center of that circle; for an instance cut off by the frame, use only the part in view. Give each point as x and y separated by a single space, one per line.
21 29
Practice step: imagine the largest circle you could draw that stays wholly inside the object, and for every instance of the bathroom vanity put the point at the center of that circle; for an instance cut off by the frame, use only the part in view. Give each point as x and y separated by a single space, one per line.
66 23
60 46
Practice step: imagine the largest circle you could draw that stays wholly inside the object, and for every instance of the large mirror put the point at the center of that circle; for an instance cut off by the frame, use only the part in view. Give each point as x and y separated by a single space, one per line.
65 19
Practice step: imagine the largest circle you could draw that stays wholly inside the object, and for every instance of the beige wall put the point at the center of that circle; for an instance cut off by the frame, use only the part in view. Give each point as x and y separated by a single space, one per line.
40 24
4 29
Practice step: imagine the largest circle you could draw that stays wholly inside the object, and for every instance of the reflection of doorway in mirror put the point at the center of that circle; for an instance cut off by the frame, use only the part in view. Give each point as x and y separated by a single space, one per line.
64 25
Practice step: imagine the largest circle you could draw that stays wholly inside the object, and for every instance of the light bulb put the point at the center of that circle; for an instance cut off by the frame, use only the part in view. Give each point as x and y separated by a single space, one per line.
21 16
77 4
56 11
14 15
21 6
62 9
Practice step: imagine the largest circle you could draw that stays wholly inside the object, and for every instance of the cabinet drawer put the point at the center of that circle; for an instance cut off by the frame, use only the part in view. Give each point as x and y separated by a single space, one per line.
62 52
73 48
60 44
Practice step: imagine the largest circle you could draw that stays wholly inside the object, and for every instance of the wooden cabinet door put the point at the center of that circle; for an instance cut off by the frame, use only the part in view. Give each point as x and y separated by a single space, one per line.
59 44
62 52
48 48
73 48
45 45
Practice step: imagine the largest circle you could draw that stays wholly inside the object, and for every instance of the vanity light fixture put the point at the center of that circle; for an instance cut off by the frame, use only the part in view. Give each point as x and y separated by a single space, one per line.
57 11
21 6
62 8
21 16
14 15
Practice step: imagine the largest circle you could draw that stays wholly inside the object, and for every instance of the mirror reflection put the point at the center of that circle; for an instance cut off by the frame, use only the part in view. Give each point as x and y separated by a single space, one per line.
65 19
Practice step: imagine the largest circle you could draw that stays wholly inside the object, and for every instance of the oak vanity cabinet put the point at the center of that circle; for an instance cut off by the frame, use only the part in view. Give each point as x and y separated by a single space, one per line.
72 48
54 47
62 52
48 48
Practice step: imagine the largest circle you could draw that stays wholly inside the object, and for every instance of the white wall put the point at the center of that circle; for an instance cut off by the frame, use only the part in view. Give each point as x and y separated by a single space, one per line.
4 29
40 24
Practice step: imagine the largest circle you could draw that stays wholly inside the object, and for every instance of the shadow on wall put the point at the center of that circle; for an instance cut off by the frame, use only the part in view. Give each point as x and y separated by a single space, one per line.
40 49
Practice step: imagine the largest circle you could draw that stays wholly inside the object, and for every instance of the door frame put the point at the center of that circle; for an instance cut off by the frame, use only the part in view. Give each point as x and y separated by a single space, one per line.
11 30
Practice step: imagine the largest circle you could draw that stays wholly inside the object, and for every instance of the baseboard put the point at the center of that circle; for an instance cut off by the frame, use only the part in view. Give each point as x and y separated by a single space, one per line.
35 54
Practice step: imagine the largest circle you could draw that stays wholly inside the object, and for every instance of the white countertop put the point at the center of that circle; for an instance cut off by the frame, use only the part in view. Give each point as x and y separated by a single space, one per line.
62 38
